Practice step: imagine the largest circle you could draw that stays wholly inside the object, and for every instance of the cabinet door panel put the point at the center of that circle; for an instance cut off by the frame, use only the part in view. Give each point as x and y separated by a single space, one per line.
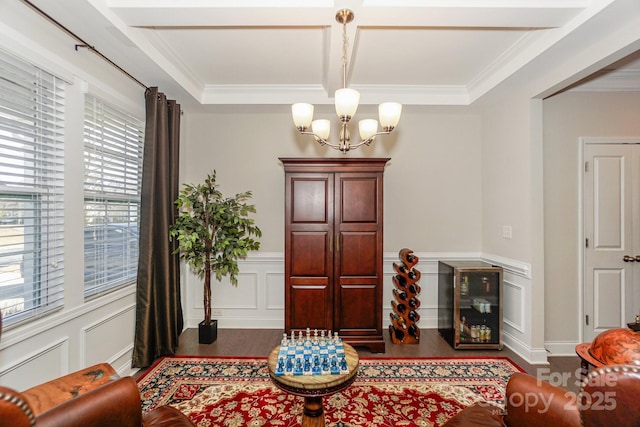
309 254
358 254
310 200
359 199
358 307
312 307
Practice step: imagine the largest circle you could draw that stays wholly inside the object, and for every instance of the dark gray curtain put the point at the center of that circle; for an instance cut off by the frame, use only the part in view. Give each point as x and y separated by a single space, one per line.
158 310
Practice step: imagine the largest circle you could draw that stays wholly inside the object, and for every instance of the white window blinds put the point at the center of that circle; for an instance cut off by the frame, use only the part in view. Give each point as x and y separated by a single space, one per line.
31 190
113 142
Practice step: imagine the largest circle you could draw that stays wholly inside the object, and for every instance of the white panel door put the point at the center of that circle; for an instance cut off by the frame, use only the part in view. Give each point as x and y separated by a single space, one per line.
612 230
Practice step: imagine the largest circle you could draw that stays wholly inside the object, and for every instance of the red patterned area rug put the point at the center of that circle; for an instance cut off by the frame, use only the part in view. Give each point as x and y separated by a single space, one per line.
234 392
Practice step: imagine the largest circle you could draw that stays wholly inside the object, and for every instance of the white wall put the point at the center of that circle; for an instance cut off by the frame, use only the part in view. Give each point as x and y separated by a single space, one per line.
509 200
567 117
432 186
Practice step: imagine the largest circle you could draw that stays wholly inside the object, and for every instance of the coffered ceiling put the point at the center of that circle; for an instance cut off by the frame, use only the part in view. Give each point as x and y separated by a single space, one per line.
418 52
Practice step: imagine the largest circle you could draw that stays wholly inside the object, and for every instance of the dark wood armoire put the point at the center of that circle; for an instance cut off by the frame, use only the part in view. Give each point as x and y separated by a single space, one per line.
333 247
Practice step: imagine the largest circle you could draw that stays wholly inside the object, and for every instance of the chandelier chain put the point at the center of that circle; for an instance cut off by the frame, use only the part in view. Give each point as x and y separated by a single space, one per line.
345 47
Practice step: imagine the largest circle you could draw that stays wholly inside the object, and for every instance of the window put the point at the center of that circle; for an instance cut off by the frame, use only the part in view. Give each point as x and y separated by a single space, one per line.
113 142
31 190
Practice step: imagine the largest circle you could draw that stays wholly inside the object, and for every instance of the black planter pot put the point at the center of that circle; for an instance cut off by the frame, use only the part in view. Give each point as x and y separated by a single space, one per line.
207 333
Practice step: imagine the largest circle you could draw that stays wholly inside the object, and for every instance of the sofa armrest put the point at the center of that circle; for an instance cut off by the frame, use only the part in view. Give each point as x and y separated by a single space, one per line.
50 394
116 403
14 409
609 396
532 402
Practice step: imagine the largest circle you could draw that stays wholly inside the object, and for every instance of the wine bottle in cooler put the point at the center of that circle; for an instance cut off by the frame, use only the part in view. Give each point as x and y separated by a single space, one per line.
464 286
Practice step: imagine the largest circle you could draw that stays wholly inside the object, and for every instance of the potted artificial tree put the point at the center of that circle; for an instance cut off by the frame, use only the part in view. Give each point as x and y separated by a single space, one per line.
212 232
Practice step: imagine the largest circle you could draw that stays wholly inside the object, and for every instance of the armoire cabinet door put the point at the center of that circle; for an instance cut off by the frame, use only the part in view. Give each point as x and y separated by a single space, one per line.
359 241
309 260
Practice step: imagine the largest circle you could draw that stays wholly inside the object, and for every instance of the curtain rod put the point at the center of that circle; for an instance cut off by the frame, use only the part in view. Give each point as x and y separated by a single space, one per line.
82 43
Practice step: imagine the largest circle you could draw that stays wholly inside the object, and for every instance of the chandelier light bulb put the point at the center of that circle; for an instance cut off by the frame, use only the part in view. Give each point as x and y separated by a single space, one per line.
368 128
321 128
347 102
389 113
302 115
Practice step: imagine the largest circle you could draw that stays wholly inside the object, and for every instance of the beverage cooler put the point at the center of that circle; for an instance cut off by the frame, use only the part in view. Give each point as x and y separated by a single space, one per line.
470 304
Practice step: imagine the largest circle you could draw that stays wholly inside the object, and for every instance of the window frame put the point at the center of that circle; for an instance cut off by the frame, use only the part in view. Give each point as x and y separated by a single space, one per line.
113 155
32 127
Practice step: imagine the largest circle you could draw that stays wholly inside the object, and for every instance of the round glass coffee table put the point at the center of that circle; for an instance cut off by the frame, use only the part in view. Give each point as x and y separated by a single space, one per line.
314 387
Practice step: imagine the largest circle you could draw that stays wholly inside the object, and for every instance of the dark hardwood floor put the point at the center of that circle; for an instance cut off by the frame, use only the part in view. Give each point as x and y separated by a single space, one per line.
259 343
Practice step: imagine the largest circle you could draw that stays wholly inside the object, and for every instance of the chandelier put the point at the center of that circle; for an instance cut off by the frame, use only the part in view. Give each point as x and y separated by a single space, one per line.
346 102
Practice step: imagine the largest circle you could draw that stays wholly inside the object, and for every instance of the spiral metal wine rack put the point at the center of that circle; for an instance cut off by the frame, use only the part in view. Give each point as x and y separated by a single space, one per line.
404 317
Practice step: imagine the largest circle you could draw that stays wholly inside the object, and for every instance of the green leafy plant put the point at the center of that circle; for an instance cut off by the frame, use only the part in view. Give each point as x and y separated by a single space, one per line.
212 232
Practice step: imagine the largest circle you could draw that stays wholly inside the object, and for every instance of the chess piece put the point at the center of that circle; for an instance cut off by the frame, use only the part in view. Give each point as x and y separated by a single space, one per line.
280 367
343 364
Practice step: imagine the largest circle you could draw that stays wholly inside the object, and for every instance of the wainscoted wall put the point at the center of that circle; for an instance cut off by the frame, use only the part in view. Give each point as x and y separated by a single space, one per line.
258 300
102 330
98 331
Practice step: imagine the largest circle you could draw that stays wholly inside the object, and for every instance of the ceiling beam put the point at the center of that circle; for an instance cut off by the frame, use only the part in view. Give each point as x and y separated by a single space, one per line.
466 14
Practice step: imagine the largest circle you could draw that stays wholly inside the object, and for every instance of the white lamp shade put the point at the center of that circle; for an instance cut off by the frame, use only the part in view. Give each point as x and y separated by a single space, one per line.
347 102
389 114
321 128
302 114
368 128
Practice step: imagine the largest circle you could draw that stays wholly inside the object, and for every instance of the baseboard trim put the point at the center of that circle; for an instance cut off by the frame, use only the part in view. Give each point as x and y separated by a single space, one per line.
533 356
561 348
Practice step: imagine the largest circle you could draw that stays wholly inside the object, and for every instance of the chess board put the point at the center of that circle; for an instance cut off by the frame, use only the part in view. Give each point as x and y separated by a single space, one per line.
317 354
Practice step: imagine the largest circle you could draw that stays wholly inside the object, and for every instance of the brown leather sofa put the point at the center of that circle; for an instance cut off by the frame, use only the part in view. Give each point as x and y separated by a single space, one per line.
609 396
92 397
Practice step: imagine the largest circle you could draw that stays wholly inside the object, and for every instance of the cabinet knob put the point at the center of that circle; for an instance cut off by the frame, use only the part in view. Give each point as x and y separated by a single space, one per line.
628 258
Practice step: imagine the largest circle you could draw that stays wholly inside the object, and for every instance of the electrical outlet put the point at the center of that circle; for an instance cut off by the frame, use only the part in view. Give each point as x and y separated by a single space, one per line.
215 312
506 232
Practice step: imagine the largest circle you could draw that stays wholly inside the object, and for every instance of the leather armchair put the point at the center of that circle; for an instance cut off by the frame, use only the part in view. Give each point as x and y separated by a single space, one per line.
608 397
92 397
